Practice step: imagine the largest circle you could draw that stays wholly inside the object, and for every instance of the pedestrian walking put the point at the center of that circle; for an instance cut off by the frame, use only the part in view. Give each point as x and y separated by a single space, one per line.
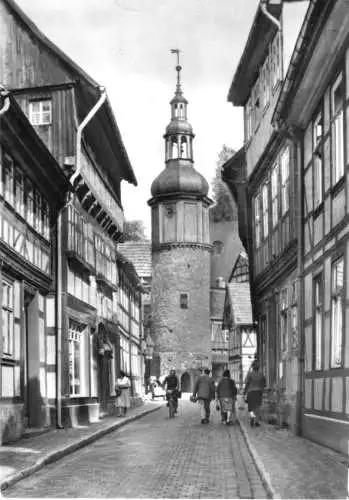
204 392
122 389
254 387
226 395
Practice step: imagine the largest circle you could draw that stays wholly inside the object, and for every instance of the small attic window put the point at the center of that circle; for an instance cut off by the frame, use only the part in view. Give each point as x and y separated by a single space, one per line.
40 112
183 301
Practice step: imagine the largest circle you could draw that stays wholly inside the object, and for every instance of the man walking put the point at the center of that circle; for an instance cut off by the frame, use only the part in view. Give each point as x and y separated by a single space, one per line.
204 391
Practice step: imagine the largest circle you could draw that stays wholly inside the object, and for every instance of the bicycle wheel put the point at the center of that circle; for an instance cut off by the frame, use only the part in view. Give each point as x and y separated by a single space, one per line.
171 409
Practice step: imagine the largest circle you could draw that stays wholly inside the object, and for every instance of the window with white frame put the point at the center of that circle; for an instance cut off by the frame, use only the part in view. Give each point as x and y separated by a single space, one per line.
265 203
337 297
337 129
317 159
318 321
285 174
257 219
40 112
275 195
76 357
7 320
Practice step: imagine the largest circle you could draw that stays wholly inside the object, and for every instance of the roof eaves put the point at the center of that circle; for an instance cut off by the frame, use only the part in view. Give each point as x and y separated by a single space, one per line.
239 88
301 47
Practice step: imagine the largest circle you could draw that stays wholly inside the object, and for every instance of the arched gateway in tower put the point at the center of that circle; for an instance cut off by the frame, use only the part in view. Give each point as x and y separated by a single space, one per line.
180 253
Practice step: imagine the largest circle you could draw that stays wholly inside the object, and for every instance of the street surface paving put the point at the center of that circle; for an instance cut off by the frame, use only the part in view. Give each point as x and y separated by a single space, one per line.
154 457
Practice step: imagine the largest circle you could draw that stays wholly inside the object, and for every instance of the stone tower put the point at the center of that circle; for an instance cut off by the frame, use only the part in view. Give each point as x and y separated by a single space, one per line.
180 254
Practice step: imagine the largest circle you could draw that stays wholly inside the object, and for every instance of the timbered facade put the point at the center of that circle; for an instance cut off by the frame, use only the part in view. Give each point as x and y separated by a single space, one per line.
57 95
32 191
314 108
238 321
262 179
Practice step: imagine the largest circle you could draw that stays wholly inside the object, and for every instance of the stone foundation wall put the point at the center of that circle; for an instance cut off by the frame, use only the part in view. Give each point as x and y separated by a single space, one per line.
11 422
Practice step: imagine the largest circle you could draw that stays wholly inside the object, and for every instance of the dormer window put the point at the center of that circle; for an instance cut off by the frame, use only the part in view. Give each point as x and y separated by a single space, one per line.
40 112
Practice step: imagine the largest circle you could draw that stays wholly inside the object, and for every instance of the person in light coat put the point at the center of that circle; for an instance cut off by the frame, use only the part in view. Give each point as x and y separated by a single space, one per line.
122 402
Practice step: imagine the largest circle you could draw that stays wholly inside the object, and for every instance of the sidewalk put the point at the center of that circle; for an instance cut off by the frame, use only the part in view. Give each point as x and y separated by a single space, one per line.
24 457
294 467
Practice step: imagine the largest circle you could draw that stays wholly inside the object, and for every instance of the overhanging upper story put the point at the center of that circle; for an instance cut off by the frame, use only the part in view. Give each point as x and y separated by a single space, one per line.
257 81
56 94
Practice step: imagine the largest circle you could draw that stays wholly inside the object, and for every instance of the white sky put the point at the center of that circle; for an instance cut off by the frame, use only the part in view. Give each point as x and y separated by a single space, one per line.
125 46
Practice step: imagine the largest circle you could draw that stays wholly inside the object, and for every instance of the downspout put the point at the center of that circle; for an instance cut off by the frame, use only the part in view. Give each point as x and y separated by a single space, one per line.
80 129
300 266
263 6
6 95
59 278
59 318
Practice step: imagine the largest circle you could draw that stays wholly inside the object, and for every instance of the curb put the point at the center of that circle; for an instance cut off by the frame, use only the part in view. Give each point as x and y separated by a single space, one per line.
66 450
265 477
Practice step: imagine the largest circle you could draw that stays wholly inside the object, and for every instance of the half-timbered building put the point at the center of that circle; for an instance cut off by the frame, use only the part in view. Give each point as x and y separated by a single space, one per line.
237 320
314 107
262 179
32 192
73 116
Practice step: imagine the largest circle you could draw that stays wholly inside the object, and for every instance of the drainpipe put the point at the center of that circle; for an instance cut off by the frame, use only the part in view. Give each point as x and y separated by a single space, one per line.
59 319
80 129
6 95
263 6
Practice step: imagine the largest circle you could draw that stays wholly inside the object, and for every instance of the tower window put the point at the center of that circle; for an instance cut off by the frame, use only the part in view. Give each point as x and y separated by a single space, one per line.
183 301
217 247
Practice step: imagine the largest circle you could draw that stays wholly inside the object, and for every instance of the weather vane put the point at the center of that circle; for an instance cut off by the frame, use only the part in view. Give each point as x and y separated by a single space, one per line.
176 51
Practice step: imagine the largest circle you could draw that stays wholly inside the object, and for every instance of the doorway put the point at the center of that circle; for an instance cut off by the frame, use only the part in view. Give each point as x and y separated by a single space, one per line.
185 382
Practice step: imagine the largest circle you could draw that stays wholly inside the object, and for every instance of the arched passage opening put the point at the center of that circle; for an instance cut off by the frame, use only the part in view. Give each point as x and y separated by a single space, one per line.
185 382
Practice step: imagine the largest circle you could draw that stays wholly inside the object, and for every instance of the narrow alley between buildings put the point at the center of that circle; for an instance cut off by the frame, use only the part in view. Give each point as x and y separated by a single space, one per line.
154 458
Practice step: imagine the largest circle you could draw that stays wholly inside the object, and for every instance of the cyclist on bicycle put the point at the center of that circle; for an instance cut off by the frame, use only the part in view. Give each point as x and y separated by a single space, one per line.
171 385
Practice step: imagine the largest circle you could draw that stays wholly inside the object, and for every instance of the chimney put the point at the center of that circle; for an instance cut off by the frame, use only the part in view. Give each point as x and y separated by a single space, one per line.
220 283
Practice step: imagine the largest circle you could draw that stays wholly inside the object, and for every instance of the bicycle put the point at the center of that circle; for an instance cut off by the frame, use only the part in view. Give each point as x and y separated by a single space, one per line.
172 406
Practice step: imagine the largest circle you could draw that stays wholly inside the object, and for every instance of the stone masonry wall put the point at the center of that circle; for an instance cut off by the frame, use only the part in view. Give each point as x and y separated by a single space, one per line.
182 333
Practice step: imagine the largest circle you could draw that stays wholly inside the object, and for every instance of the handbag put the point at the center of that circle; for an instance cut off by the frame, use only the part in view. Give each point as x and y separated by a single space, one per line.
218 408
117 392
193 399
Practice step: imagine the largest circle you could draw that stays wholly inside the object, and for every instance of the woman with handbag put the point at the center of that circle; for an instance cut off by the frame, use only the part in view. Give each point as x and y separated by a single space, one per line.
226 394
122 391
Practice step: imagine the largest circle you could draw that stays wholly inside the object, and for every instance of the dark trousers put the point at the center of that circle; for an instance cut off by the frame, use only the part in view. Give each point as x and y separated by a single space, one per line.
205 408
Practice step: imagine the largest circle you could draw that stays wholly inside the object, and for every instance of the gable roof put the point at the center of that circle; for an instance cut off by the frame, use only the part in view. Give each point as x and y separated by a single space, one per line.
87 84
139 253
240 303
241 261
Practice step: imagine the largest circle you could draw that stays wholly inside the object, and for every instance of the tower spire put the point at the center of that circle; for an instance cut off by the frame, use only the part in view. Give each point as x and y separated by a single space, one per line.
178 69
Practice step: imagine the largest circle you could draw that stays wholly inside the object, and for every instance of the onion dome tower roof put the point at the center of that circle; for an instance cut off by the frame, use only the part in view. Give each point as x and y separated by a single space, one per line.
179 175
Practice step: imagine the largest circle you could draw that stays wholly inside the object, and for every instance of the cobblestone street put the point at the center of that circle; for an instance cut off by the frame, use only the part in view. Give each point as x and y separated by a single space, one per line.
154 457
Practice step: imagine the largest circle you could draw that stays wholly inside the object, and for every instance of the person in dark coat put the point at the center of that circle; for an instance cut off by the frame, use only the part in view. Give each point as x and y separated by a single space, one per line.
226 394
254 388
204 391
